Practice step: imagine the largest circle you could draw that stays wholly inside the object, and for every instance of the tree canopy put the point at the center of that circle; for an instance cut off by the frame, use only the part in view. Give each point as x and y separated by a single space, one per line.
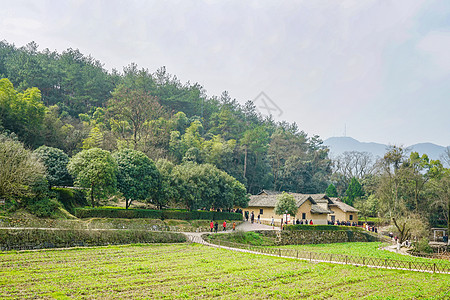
94 169
137 176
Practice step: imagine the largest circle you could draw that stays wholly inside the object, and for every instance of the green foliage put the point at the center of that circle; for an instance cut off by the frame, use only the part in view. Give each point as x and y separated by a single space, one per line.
331 191
19 170
205 186
200 215
204 272
94 169
22 113
70 198
155 214
367 207
55 162
241 237
321 227
354 191
43 208
39 238
117 213
137 176
423 246
286 204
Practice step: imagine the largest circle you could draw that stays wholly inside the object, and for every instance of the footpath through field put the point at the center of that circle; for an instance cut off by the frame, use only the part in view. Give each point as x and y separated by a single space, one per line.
196 237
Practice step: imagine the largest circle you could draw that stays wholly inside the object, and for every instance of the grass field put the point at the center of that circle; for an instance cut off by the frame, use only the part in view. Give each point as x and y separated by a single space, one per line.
362 250
178 271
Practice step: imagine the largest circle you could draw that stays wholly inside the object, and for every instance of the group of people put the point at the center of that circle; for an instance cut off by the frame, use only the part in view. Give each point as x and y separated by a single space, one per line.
251 216
306 222
343 223
214 226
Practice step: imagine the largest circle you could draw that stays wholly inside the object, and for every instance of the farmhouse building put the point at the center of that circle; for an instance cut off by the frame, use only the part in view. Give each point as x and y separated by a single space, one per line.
316 207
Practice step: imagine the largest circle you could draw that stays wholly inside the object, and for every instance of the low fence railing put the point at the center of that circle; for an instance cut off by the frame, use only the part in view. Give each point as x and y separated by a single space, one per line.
374 262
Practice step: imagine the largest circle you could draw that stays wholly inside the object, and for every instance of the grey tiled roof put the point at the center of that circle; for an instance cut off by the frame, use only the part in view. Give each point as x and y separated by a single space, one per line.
342 206
317 209
271 200
262 200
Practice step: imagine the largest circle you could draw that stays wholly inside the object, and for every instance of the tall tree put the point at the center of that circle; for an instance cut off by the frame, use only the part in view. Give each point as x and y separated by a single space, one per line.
131 110
354 191
55 162
19 170
137 176
94 169
331 191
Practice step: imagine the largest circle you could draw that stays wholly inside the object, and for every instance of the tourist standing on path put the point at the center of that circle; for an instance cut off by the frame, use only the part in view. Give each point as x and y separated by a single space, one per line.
252 217
259 219
224 225
234 226
211 225
216 226
272 222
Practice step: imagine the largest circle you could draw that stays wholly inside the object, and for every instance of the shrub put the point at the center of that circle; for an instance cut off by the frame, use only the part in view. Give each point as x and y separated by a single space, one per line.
70 198
154 214
320 227
39 238
423 246
43 208
200 215
117 213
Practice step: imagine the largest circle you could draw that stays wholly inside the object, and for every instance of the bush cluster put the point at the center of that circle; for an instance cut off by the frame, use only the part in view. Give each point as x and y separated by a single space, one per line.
117 213
154 214
38 238
320 227
70 198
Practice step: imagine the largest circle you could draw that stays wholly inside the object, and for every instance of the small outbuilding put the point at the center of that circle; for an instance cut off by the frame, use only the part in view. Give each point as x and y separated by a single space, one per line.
342 212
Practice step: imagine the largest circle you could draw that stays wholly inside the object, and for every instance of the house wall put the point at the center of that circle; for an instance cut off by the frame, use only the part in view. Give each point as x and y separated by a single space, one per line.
342 216
268 213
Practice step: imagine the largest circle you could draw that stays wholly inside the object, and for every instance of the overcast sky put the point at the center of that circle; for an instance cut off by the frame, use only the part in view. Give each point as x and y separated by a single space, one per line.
378 71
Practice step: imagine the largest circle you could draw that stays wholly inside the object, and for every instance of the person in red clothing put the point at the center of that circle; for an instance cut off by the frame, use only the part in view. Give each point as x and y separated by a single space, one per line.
224 225
311 222
211 225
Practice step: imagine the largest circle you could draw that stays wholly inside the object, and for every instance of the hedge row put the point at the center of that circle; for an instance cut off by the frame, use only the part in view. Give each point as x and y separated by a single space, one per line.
155 214
21 239
320 227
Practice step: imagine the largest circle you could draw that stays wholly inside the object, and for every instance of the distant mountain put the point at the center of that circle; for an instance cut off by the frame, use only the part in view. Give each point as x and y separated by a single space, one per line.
339 145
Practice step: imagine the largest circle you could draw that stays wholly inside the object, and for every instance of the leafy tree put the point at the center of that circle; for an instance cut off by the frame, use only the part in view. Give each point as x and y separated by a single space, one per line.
131 109
354 191
286 204
55 162
137 176
94 169
22 113
167 191
19 170
205 186
331 191
367 207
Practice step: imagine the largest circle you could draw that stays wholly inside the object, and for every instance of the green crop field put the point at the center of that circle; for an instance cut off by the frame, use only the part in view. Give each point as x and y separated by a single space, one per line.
174 271
362 250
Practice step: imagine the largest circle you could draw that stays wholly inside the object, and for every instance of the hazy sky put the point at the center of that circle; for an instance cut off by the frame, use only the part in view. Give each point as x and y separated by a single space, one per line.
378 69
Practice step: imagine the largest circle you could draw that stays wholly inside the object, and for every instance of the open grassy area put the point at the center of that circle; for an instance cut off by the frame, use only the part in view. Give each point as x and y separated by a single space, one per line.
189 271
361 250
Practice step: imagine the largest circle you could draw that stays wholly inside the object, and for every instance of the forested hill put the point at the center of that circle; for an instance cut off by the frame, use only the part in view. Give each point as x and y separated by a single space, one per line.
69 101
